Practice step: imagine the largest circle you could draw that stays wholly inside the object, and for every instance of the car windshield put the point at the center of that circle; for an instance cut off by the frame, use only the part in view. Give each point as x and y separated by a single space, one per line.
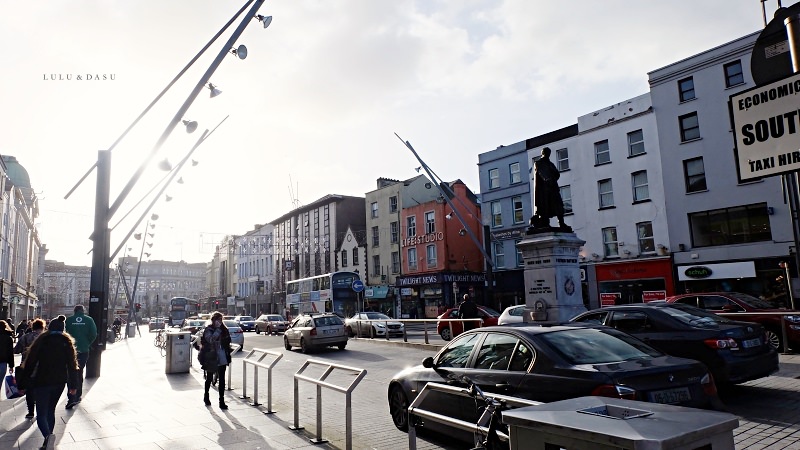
694 317
490 312
375 316
276 319
327 321
595 346
231 324
246 318
750 300
195 323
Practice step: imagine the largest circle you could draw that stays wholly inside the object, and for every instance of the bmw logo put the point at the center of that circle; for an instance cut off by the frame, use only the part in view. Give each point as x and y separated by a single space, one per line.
671 378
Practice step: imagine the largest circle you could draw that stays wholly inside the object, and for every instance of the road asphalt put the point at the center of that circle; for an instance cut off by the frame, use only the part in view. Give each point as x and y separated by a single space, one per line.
134 404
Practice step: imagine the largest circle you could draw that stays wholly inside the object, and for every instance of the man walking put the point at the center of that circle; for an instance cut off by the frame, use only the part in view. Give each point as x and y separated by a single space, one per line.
468 310
83 329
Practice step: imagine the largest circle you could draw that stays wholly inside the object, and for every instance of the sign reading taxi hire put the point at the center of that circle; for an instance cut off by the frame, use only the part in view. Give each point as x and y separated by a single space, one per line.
766 125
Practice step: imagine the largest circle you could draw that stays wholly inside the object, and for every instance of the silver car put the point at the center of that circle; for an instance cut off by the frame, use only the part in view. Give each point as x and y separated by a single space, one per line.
315 330
512 314
237 335
373 324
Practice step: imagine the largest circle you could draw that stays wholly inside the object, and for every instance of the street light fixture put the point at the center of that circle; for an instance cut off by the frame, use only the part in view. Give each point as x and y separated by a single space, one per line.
214 90
191 125
240 51
266 20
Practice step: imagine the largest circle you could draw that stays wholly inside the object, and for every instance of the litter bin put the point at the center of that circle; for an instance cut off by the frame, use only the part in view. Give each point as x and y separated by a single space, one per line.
131 329
600 423
178 352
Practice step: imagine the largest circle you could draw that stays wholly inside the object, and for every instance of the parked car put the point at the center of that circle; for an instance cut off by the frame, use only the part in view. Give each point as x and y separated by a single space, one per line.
743 304
237 335
512 314
547 364
156 323
246 323
488 315
373 324
734 351
310 330
192 325
271 323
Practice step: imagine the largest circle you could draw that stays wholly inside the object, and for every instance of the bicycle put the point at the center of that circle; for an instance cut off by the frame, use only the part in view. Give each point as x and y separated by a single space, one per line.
490 420
161 341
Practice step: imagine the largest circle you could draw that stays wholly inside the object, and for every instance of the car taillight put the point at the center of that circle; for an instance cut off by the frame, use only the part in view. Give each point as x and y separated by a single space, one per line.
709 387
614 391
721 343
313 331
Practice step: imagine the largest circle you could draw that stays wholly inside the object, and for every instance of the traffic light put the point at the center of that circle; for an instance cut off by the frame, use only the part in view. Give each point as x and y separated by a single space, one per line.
216 303
138 307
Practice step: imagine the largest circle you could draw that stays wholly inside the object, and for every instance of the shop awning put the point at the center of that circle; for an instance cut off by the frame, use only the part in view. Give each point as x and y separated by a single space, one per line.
376 291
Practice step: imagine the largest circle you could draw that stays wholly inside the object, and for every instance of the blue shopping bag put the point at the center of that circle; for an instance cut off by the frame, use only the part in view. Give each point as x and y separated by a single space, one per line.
12 391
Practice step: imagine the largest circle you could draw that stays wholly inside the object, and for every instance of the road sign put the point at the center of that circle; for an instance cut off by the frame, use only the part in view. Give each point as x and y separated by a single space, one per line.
771 59
358 285
766 125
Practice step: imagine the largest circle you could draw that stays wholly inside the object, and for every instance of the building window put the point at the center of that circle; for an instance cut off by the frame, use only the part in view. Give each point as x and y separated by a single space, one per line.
644 231
393 204
520 261
513 170
494 178
562 159
733 73
737 225
497 216
411 226
374 209
344 258
430 252
610 245
636 143
430 222
376 266
690 127
516 203
355 256
499 255
686 89
606 193
412 259
395 262
694 175
394 231
566 198
602 153
641 192
375 237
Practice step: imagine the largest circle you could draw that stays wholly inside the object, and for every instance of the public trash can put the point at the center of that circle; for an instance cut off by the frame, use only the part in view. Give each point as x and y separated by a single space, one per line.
601 423
179 355
131 329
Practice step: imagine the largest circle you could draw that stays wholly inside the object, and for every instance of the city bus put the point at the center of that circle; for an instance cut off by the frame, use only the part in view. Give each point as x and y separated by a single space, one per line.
180 308
331 292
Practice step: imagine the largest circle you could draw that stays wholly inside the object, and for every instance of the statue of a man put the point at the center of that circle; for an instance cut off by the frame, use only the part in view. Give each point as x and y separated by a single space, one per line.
546 194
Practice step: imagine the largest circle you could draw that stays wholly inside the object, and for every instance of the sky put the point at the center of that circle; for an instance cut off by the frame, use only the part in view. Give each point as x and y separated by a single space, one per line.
314 108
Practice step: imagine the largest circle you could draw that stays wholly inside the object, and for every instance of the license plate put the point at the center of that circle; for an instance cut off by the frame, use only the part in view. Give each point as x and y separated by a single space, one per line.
677 395
751 343
329 332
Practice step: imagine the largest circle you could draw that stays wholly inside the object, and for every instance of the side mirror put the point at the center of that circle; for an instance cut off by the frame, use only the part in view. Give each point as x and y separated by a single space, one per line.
427 362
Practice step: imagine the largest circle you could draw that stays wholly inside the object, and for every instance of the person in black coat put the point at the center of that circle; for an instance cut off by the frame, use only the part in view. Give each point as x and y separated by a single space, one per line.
215 356
6 350
51 363
468 310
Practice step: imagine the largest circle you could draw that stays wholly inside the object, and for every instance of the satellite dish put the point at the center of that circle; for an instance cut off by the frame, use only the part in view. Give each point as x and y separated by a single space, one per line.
241 51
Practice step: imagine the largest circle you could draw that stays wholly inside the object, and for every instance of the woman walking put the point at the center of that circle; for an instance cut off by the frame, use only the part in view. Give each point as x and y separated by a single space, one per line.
50 364
23 344
6 349
215 355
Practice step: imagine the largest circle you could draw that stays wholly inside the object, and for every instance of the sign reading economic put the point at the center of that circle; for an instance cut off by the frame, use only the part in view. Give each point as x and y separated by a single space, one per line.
766 124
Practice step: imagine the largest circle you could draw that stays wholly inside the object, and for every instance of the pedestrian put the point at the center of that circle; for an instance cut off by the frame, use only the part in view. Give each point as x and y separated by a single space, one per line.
23 344
84 331
6 350
22 327
215 355
468 310
51 364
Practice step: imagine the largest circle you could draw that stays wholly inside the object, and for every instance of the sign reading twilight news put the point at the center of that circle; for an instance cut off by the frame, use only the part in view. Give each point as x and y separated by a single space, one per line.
766 125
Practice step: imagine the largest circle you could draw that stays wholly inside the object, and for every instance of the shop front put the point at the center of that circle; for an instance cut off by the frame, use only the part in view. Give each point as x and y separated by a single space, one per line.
381 299
428 296
763 277
634 281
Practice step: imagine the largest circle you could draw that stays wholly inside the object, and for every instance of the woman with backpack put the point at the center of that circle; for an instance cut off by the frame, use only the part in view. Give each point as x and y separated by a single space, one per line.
23 344
215 355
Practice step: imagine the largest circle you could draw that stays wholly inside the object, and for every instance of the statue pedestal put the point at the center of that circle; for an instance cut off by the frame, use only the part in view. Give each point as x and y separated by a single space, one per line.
552 277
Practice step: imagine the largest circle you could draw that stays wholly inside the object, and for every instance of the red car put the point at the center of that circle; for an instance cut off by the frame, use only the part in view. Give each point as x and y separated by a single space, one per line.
742 305
488 315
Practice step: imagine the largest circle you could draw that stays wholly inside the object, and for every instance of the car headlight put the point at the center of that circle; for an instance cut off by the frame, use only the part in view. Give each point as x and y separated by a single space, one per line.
792 319
379 325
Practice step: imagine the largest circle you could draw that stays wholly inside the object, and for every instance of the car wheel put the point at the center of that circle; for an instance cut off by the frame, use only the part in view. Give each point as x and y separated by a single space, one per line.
774 340
258 331
349 331
445 334
398 407
342 346
303 346
286 344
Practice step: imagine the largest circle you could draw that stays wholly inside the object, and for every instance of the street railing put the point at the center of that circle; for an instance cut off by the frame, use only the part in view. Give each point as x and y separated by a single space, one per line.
320 383
414 410
405 322
256 363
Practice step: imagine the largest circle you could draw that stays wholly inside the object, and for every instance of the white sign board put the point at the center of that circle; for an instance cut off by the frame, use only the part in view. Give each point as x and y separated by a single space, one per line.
766 125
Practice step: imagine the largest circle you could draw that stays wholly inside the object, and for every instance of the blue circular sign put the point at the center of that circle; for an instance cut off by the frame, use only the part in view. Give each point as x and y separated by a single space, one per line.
358 285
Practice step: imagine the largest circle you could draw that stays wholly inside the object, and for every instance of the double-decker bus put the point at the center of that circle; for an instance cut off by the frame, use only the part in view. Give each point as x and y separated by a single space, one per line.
180 308
331 292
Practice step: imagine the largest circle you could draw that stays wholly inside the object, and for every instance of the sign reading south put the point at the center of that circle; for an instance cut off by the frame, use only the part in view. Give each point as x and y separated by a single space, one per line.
766 124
